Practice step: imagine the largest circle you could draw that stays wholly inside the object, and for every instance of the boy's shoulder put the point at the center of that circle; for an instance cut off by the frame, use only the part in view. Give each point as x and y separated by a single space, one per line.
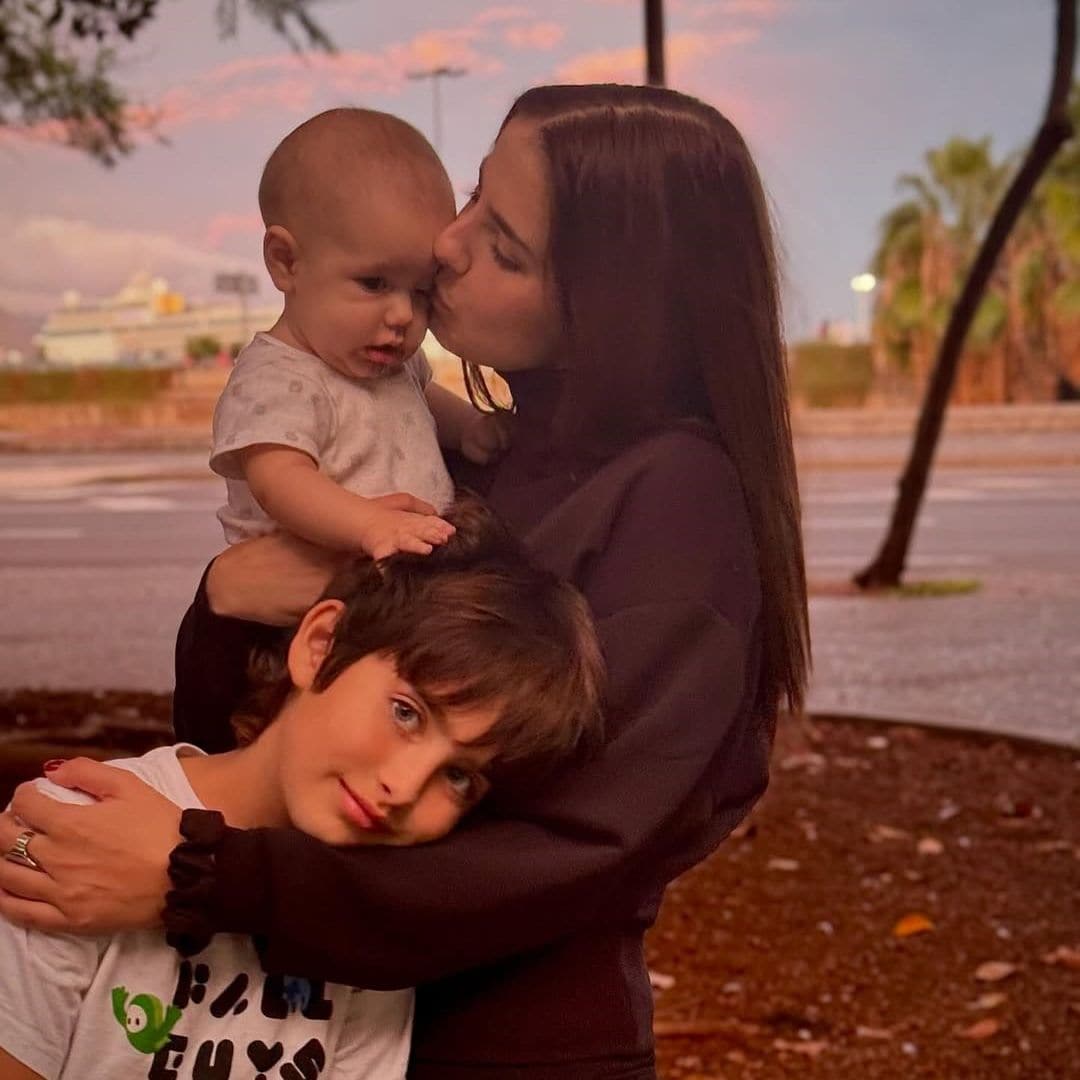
160 768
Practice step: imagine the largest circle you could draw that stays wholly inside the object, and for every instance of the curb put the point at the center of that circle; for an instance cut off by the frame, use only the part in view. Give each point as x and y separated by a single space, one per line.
946 727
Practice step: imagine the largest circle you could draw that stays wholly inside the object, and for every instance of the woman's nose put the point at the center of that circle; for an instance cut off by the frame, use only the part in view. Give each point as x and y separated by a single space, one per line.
450 250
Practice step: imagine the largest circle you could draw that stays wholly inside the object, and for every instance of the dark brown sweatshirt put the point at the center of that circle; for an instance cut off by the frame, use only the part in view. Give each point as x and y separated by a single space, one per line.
523 929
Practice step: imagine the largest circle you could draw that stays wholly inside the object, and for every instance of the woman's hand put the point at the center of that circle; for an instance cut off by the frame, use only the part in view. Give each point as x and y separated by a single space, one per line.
273 579
103 867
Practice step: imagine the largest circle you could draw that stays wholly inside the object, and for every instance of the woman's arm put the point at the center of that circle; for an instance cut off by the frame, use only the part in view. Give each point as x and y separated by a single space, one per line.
246 595
684 762
499 885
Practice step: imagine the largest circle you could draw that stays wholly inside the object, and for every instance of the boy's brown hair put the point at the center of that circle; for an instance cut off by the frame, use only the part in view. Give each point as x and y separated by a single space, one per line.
474 623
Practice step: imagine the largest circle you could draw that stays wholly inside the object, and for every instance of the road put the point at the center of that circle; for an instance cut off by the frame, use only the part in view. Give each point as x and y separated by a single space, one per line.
100 554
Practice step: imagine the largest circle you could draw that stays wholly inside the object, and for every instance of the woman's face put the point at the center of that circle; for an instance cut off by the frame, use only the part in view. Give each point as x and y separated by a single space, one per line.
494 299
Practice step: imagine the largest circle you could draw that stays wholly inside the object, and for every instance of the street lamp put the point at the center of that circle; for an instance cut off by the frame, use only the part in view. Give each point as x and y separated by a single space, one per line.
436 75
862 285
654 42
241 286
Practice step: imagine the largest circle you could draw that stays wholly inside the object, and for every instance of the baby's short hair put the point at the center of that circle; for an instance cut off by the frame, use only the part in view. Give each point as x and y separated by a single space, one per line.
475 623
333 154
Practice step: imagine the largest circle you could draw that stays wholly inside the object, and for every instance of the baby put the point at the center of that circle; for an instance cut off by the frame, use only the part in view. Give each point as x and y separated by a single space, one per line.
330 426
407 690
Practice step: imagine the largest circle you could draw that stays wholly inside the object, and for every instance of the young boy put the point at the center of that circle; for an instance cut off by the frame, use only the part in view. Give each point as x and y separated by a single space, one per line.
330 426
400 693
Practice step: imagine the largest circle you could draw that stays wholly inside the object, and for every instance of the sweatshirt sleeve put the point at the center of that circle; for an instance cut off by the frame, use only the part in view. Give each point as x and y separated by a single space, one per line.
590 844
212 654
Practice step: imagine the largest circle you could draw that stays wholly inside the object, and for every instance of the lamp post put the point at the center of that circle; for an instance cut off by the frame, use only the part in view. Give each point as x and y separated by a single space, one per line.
241 286
436 75
654 42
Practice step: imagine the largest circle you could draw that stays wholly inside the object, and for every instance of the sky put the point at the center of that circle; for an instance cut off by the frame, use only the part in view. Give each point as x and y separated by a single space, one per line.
836 98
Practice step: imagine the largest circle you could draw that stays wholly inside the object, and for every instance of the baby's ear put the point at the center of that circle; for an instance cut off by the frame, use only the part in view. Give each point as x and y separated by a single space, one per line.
312 642
279 254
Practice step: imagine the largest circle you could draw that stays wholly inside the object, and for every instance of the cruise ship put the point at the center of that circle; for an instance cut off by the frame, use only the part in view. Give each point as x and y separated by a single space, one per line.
147 324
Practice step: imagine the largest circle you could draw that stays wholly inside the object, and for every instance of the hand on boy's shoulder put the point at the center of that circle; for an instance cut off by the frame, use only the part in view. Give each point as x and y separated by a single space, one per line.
401 522
487 437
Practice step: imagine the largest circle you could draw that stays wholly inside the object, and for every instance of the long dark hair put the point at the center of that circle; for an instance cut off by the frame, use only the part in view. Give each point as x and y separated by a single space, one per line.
661 255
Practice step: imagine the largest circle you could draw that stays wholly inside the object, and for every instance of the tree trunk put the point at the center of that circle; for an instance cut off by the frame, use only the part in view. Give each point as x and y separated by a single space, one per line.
888 565
654 42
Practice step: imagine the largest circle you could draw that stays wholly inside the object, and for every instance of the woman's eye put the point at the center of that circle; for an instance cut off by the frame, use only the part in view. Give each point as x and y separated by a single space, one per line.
406 716
372 284
504 261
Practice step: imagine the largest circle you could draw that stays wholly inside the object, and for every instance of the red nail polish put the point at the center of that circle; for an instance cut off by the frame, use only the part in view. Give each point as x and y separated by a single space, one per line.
53 763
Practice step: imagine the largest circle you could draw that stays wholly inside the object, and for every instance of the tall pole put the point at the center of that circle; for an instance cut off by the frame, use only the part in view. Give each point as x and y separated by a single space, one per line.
654 42
436 75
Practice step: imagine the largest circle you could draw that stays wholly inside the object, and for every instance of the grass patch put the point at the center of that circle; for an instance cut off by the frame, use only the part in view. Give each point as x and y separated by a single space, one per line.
940 587
825 374
67 385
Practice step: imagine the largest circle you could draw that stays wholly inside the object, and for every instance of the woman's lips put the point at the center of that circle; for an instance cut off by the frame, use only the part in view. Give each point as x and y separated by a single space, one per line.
360 812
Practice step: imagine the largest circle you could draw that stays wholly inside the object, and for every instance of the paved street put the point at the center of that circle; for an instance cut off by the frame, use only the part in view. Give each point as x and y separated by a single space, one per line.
99 555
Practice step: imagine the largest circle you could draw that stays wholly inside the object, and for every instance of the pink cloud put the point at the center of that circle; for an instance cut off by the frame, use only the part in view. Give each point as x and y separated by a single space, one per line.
221 226
503 13
627 65
755 9
538 35
296 83
44 254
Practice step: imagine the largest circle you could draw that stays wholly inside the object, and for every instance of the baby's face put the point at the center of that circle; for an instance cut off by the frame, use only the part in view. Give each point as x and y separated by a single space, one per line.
368 761
363 282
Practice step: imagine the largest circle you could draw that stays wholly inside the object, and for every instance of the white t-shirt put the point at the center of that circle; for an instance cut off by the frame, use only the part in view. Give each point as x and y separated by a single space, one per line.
129 1006
371 436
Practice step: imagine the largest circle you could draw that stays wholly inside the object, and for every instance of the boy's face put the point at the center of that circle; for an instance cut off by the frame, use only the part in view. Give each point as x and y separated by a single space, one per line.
367 761
361 287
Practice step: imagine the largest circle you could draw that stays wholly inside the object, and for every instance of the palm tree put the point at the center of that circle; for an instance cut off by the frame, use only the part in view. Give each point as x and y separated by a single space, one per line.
1055 130
925 242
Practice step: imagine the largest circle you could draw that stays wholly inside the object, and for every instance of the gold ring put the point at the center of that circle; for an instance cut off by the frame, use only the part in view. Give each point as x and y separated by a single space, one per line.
20 851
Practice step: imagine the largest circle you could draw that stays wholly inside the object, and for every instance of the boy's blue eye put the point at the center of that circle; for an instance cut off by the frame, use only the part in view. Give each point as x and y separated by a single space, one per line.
463 782
406 716
373 284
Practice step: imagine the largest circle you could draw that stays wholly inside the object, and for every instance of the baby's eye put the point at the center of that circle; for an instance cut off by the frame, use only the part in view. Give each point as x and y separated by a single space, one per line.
406 716
373 284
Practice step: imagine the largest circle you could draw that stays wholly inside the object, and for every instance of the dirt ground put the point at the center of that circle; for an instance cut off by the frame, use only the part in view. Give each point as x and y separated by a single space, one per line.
902 904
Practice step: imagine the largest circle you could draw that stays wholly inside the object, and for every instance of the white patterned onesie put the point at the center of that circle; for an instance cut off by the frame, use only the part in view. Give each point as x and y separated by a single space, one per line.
371 436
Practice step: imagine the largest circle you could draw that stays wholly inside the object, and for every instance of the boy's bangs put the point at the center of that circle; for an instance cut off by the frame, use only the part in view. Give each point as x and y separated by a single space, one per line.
535 714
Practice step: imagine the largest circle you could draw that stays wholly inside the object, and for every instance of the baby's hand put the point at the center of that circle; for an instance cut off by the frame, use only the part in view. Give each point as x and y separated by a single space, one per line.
402 522
486 437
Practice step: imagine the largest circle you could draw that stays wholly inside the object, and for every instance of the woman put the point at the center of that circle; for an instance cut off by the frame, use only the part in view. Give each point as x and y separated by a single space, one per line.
615 265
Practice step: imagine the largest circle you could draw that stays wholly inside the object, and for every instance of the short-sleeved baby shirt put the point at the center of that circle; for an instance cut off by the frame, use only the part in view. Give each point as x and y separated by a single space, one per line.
371 436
